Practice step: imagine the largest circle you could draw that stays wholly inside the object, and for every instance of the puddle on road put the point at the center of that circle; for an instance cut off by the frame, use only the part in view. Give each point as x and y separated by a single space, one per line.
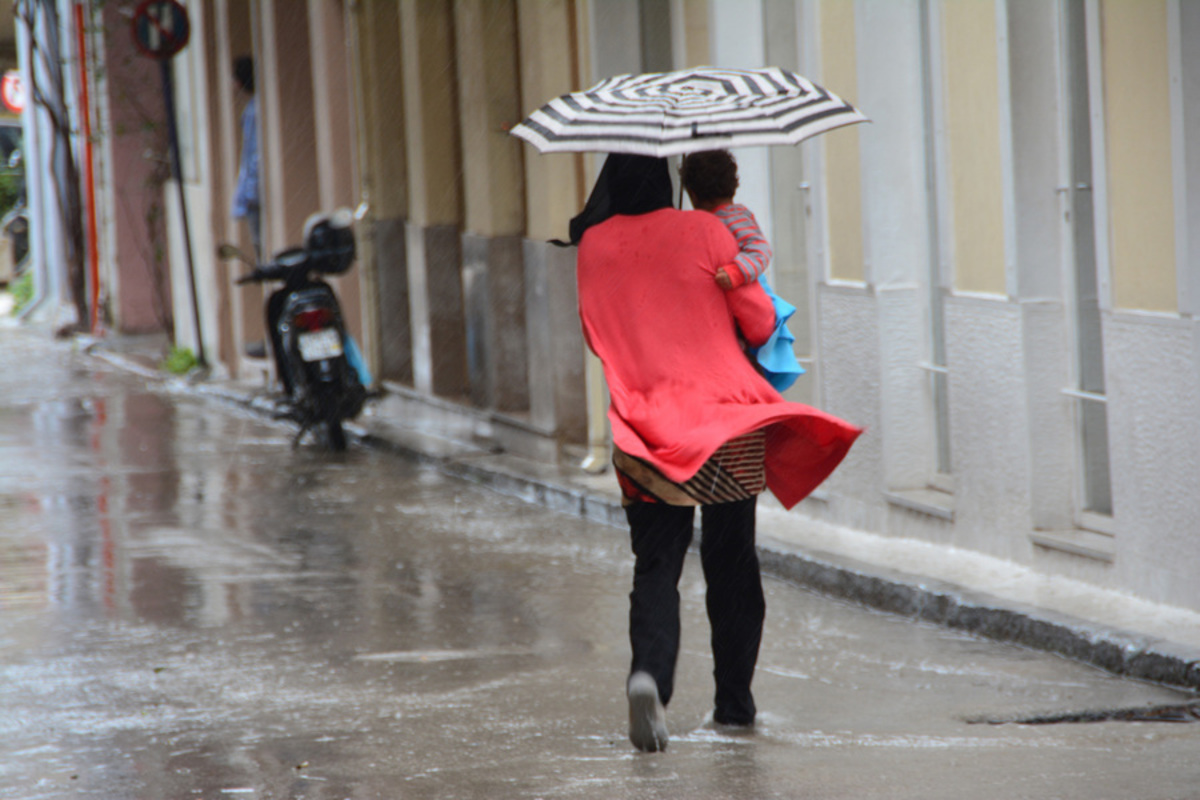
1177 713
433 656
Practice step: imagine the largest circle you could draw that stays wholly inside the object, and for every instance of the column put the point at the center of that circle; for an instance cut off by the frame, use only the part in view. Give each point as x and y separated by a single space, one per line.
554 192
435 199
383 187
493 192
242 318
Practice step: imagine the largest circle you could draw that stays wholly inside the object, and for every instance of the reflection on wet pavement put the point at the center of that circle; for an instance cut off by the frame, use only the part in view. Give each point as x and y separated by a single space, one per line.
191 608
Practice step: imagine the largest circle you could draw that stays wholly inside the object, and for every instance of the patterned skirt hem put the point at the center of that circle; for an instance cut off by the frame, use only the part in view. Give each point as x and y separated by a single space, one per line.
734 472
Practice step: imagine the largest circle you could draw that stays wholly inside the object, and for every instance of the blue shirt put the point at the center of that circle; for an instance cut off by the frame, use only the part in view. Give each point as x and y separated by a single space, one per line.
245 196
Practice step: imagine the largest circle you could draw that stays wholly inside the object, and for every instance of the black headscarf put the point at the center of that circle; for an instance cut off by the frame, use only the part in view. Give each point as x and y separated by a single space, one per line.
628 184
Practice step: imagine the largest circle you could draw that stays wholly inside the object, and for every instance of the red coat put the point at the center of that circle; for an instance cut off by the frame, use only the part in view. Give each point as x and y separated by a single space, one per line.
667 336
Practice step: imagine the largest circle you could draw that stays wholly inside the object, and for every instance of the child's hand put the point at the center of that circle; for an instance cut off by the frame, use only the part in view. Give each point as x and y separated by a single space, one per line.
729 277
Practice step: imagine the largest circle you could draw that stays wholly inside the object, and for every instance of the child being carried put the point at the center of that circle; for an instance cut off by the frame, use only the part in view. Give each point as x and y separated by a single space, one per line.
711 181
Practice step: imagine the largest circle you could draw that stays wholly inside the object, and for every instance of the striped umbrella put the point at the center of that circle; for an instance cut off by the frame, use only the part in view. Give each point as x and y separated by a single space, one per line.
668 113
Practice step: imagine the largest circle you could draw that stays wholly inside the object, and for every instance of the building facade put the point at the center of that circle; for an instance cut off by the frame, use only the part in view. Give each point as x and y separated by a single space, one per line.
999 276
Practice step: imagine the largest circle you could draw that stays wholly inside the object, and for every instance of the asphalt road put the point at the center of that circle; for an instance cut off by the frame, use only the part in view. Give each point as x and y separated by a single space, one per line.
189 608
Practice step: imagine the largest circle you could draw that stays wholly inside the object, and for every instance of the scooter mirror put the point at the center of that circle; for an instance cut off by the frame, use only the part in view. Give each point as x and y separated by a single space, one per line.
228 252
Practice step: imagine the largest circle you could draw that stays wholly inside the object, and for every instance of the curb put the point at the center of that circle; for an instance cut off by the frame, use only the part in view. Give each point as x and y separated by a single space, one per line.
1114 650
1117 651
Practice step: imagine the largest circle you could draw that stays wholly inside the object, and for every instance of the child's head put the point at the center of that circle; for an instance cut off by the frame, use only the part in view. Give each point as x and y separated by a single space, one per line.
709 175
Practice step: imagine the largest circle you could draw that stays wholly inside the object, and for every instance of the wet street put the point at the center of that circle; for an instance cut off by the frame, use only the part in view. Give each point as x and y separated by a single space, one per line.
189 608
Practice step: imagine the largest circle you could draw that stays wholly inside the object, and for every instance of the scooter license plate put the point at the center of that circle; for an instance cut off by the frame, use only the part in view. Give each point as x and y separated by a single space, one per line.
320 345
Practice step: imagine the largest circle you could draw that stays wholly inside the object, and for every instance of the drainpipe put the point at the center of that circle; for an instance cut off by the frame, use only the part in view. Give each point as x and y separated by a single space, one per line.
89 186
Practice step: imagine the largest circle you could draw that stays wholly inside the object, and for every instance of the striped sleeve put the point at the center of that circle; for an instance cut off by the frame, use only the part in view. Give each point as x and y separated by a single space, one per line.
754 251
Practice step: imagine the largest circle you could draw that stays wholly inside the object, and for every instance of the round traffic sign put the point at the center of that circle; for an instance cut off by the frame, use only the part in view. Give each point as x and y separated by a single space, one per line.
12 91
161 28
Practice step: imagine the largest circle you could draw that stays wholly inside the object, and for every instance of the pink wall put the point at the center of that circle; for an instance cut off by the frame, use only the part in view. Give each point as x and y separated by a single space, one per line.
138 140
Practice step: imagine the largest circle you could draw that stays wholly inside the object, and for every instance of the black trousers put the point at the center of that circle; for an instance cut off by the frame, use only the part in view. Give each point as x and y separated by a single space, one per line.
660 536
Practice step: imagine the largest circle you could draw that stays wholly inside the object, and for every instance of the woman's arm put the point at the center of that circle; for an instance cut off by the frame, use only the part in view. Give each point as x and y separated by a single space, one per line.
753 311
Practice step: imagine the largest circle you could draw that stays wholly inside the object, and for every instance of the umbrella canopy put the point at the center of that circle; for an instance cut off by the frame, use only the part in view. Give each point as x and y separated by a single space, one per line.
669 113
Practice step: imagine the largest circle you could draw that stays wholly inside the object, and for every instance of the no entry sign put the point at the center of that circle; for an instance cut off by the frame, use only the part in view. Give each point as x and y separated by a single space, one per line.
160 28
12 91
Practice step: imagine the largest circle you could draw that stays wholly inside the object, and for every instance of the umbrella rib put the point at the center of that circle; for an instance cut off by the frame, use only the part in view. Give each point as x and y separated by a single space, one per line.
741 118
784 119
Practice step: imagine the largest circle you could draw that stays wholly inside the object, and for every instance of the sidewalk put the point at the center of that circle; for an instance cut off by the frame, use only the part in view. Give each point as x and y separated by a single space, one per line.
939 584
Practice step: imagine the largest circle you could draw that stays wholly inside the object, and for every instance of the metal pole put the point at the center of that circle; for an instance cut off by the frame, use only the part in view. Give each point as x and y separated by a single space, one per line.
173 135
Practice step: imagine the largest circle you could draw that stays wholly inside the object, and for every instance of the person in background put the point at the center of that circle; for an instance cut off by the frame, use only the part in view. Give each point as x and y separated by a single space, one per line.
693 424
246 203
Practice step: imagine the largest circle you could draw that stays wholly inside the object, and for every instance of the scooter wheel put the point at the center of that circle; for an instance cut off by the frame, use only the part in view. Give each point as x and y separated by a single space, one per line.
336 434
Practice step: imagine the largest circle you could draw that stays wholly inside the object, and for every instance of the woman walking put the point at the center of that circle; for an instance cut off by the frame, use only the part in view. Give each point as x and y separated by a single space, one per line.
693 425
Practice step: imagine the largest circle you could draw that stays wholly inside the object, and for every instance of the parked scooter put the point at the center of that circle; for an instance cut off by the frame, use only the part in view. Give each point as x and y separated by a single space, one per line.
15 225
322 373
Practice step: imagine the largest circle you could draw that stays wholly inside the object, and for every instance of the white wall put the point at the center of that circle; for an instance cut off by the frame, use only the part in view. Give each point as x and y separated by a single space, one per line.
1154 451
193 123
736 32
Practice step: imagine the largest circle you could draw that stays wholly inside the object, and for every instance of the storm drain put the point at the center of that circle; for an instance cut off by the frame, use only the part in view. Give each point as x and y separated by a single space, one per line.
1180 712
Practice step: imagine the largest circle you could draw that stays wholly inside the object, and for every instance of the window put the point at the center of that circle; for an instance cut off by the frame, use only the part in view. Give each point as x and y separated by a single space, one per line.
935 366
1091 410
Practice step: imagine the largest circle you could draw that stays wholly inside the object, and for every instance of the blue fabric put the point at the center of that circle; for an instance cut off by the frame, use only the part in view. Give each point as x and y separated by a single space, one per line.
779 364
245 196
355 359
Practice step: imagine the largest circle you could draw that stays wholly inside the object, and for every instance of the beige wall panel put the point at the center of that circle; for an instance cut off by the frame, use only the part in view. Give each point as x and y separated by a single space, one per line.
489 104
548 59
332 103
287 135
431 112
384 168
843 189
973 137
1138 128
695 31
